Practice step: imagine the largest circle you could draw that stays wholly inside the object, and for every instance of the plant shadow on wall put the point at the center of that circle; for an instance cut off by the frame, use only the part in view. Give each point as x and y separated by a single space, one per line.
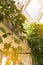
34 32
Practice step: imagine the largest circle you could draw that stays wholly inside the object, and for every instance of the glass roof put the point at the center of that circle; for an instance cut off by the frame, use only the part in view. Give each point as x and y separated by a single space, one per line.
33 9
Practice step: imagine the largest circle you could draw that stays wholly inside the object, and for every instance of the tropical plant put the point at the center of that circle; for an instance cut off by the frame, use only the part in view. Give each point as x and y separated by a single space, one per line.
34 34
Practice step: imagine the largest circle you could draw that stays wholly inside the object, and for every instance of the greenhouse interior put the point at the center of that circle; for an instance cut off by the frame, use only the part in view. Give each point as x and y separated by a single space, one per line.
21 32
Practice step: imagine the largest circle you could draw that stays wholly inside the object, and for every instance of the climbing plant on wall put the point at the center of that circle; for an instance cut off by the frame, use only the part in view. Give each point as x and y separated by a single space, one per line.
11 14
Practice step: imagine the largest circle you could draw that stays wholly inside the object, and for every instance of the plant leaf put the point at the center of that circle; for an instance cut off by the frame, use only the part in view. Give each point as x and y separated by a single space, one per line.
1 41
2 29
7 46
17 41
5 35
9 34
20 48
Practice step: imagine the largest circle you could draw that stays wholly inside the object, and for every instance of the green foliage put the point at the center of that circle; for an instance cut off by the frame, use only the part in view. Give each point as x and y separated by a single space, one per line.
12 14
5 35
34 32
16 41
2 29
1 17
35 39
20 48
7 46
